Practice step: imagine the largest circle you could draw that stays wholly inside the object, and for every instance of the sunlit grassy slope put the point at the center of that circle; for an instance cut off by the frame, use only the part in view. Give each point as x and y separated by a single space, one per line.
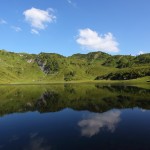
51 67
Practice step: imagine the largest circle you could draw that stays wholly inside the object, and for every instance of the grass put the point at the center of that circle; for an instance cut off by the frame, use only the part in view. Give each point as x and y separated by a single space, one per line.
140 82
45 68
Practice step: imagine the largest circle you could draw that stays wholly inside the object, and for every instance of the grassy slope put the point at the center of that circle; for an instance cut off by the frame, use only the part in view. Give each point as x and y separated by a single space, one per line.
18 67
26 68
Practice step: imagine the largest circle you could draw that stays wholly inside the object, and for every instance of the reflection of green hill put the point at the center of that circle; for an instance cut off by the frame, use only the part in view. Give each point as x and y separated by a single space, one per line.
96 98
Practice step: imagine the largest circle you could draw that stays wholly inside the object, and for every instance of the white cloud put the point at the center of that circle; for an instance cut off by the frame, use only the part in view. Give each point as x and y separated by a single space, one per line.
91 40
38 18
71 3
140 52
2 21
33 31
95 122
17 29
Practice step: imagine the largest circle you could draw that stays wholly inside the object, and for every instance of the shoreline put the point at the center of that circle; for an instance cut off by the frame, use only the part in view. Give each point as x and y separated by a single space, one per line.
132 82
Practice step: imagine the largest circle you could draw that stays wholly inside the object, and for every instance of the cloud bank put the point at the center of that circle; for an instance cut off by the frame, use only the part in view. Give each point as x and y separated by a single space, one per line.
91 40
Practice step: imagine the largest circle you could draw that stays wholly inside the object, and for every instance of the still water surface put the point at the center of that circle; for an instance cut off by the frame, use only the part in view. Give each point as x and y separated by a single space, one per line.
74 117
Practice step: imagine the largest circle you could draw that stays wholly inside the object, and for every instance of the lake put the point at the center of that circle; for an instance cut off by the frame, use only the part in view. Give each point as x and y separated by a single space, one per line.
74 117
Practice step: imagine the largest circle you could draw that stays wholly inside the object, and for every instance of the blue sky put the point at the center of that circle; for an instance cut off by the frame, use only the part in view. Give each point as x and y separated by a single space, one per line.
75 26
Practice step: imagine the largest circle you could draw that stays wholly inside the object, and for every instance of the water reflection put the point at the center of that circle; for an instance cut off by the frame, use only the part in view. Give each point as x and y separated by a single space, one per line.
95 98
37 143
14 138
94 122
74 117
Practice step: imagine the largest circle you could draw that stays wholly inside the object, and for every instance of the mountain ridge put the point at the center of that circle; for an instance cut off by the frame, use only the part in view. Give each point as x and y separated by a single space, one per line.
47 67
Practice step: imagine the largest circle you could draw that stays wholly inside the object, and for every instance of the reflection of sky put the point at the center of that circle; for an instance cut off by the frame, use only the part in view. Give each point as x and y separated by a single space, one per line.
37 143
14 138
94 122
143 110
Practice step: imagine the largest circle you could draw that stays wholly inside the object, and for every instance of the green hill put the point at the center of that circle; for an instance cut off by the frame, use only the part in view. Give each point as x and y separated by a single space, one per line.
51 67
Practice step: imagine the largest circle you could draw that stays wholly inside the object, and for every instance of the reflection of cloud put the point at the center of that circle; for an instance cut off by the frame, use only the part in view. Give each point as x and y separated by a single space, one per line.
143 110
95 122
37 143
33 135
14 138
1 146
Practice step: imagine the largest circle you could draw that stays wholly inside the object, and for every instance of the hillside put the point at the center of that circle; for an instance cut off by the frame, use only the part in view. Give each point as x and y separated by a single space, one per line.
48 67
